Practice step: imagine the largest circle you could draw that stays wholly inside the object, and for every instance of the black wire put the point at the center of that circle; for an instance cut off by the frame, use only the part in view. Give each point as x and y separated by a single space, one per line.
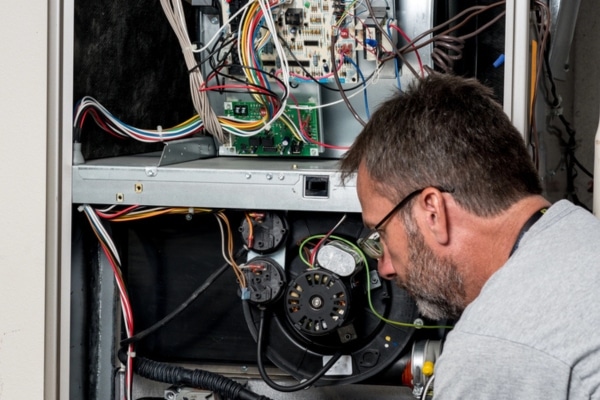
263 373
582 168
555 102
569 145
235 78
220 60
175 375
571 132
270 92
168 318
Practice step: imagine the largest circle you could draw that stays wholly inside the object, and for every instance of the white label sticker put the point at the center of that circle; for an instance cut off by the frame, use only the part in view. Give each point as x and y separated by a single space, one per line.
343 366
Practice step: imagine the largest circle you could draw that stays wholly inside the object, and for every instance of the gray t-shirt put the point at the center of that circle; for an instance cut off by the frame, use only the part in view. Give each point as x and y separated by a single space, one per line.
534 330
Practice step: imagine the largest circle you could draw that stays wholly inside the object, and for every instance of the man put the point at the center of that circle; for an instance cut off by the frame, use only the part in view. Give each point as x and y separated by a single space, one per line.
447 185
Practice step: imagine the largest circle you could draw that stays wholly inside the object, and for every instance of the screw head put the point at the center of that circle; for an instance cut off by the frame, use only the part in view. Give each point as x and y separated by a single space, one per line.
316 302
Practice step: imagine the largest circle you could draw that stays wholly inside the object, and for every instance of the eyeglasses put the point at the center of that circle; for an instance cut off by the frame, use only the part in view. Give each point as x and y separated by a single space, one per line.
371 243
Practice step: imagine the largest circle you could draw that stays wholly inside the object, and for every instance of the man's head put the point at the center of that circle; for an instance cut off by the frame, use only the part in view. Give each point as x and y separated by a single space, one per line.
445 134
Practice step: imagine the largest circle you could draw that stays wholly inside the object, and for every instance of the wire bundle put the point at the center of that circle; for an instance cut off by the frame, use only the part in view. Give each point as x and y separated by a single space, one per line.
112 125
174 11
240 43
132 213
447 47
110 250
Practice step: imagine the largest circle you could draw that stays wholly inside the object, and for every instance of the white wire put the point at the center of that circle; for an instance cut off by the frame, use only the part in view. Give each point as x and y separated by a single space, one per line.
125 305
174 11
324 105
122 129
225 25
270 24
89 211
285 69
223 239
427 386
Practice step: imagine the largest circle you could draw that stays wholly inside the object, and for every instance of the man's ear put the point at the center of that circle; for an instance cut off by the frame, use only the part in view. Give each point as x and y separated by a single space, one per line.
432 207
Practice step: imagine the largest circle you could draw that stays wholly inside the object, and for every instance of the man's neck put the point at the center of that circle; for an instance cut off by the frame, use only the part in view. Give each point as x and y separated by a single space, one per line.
489 242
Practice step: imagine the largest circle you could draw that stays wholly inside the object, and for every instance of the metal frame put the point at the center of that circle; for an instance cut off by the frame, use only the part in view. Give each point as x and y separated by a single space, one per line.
516 69
58 199
221 182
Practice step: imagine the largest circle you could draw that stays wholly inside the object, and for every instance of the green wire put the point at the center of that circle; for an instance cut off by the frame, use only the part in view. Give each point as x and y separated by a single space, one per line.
364 260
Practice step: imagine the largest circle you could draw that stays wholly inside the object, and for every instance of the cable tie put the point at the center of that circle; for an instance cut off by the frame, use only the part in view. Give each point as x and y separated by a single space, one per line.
160 132
131 354
197 66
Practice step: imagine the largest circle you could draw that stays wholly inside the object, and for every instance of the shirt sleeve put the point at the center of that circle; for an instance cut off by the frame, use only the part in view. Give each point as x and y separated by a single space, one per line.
482 367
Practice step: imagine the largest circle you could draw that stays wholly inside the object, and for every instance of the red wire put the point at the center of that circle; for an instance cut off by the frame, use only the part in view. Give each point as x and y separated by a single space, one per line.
405 36
115 214
253 24
98 118
127 312
307 136
257 89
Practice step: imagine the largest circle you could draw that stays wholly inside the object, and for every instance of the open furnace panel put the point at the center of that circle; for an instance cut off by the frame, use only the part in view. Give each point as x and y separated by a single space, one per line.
247 188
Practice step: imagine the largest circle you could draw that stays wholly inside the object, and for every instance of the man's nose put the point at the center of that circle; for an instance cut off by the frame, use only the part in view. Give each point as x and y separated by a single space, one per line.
385 268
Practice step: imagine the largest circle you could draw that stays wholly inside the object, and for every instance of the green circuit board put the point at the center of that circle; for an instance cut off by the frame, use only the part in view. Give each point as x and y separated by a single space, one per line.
278 139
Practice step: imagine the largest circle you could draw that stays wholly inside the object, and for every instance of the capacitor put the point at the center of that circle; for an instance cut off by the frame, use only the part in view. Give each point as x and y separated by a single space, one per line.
339 258
325 67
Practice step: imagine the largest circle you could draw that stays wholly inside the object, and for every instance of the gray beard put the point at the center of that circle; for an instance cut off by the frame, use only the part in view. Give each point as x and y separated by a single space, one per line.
434 282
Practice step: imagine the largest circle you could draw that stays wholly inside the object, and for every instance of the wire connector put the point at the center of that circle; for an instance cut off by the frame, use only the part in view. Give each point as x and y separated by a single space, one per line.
77 154
245 295
371 42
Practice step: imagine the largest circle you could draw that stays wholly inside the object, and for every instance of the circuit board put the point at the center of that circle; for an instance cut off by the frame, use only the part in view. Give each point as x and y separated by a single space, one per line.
305 29
278 139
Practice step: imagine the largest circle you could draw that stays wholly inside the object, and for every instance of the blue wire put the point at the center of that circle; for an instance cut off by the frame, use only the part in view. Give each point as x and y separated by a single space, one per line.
364 84
169 133
396 63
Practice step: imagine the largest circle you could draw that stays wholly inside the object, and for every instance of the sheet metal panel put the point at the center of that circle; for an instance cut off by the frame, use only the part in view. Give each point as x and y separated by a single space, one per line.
238 183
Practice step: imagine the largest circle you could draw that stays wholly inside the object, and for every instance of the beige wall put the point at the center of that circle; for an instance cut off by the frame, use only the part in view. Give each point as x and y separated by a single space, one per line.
23 87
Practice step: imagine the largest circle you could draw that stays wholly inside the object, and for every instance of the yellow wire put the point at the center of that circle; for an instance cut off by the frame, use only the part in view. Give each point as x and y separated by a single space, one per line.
250 229
287 122
345 13
236 268
244 125
137 215
188 122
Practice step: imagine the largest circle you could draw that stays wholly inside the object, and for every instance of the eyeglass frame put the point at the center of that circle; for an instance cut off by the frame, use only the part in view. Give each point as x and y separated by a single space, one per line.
365 240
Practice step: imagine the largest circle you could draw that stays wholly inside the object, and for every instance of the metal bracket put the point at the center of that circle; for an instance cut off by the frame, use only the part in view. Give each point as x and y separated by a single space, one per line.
189 149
